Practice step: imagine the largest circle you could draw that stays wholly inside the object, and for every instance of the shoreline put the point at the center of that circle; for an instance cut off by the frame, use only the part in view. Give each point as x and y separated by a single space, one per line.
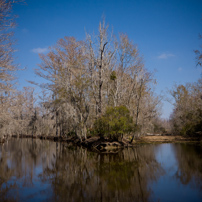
102 145
158 139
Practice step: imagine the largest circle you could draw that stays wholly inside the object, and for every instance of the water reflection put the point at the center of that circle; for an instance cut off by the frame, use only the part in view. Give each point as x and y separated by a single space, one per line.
35 170
21 162
189 159
82 176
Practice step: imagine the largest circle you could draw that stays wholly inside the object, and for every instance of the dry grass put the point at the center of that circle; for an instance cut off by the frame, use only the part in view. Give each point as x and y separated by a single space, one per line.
163 139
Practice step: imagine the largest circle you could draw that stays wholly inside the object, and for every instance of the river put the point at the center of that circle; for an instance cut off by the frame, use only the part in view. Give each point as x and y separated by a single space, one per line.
41 170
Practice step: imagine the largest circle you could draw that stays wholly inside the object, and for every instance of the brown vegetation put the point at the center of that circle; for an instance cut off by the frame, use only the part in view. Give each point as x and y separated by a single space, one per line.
165 139
83 79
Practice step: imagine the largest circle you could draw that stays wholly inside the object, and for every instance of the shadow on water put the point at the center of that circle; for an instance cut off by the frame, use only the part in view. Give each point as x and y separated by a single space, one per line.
36 170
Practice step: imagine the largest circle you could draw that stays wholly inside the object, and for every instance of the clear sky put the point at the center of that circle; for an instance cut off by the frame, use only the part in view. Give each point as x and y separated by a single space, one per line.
165 31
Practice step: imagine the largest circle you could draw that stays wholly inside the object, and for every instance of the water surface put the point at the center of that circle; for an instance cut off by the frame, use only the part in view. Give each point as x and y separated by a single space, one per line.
36 170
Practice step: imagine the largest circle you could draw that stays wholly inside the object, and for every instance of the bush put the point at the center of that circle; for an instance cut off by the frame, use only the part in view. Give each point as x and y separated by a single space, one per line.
114 123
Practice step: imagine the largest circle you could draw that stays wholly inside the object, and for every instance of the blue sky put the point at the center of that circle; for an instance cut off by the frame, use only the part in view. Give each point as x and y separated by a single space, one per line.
165 31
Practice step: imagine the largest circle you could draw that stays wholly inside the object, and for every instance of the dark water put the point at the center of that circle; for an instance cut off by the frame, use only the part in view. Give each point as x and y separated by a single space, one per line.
35 170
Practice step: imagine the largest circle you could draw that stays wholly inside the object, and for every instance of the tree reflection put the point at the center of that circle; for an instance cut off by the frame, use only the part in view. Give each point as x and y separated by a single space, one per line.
189 164
6 174
19 160
78 175
73 173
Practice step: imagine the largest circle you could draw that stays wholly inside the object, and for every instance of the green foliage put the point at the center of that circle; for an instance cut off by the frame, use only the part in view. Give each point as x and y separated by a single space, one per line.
114 123
113 76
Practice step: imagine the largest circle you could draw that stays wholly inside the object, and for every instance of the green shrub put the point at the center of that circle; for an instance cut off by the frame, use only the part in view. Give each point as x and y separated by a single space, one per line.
114 123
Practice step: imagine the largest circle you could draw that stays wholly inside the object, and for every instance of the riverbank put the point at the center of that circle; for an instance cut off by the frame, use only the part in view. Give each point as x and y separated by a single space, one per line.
93 143
102 145
157 139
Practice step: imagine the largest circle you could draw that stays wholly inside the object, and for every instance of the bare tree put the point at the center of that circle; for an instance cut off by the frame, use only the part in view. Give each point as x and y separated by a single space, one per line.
84 77
199 54
100 52
7 21
7 66
65 70
186 118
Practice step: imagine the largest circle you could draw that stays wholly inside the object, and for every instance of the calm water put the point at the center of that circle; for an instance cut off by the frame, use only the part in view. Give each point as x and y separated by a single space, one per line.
35 170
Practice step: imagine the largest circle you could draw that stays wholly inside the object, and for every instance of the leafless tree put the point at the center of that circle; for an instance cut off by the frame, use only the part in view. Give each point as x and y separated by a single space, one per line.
84 77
